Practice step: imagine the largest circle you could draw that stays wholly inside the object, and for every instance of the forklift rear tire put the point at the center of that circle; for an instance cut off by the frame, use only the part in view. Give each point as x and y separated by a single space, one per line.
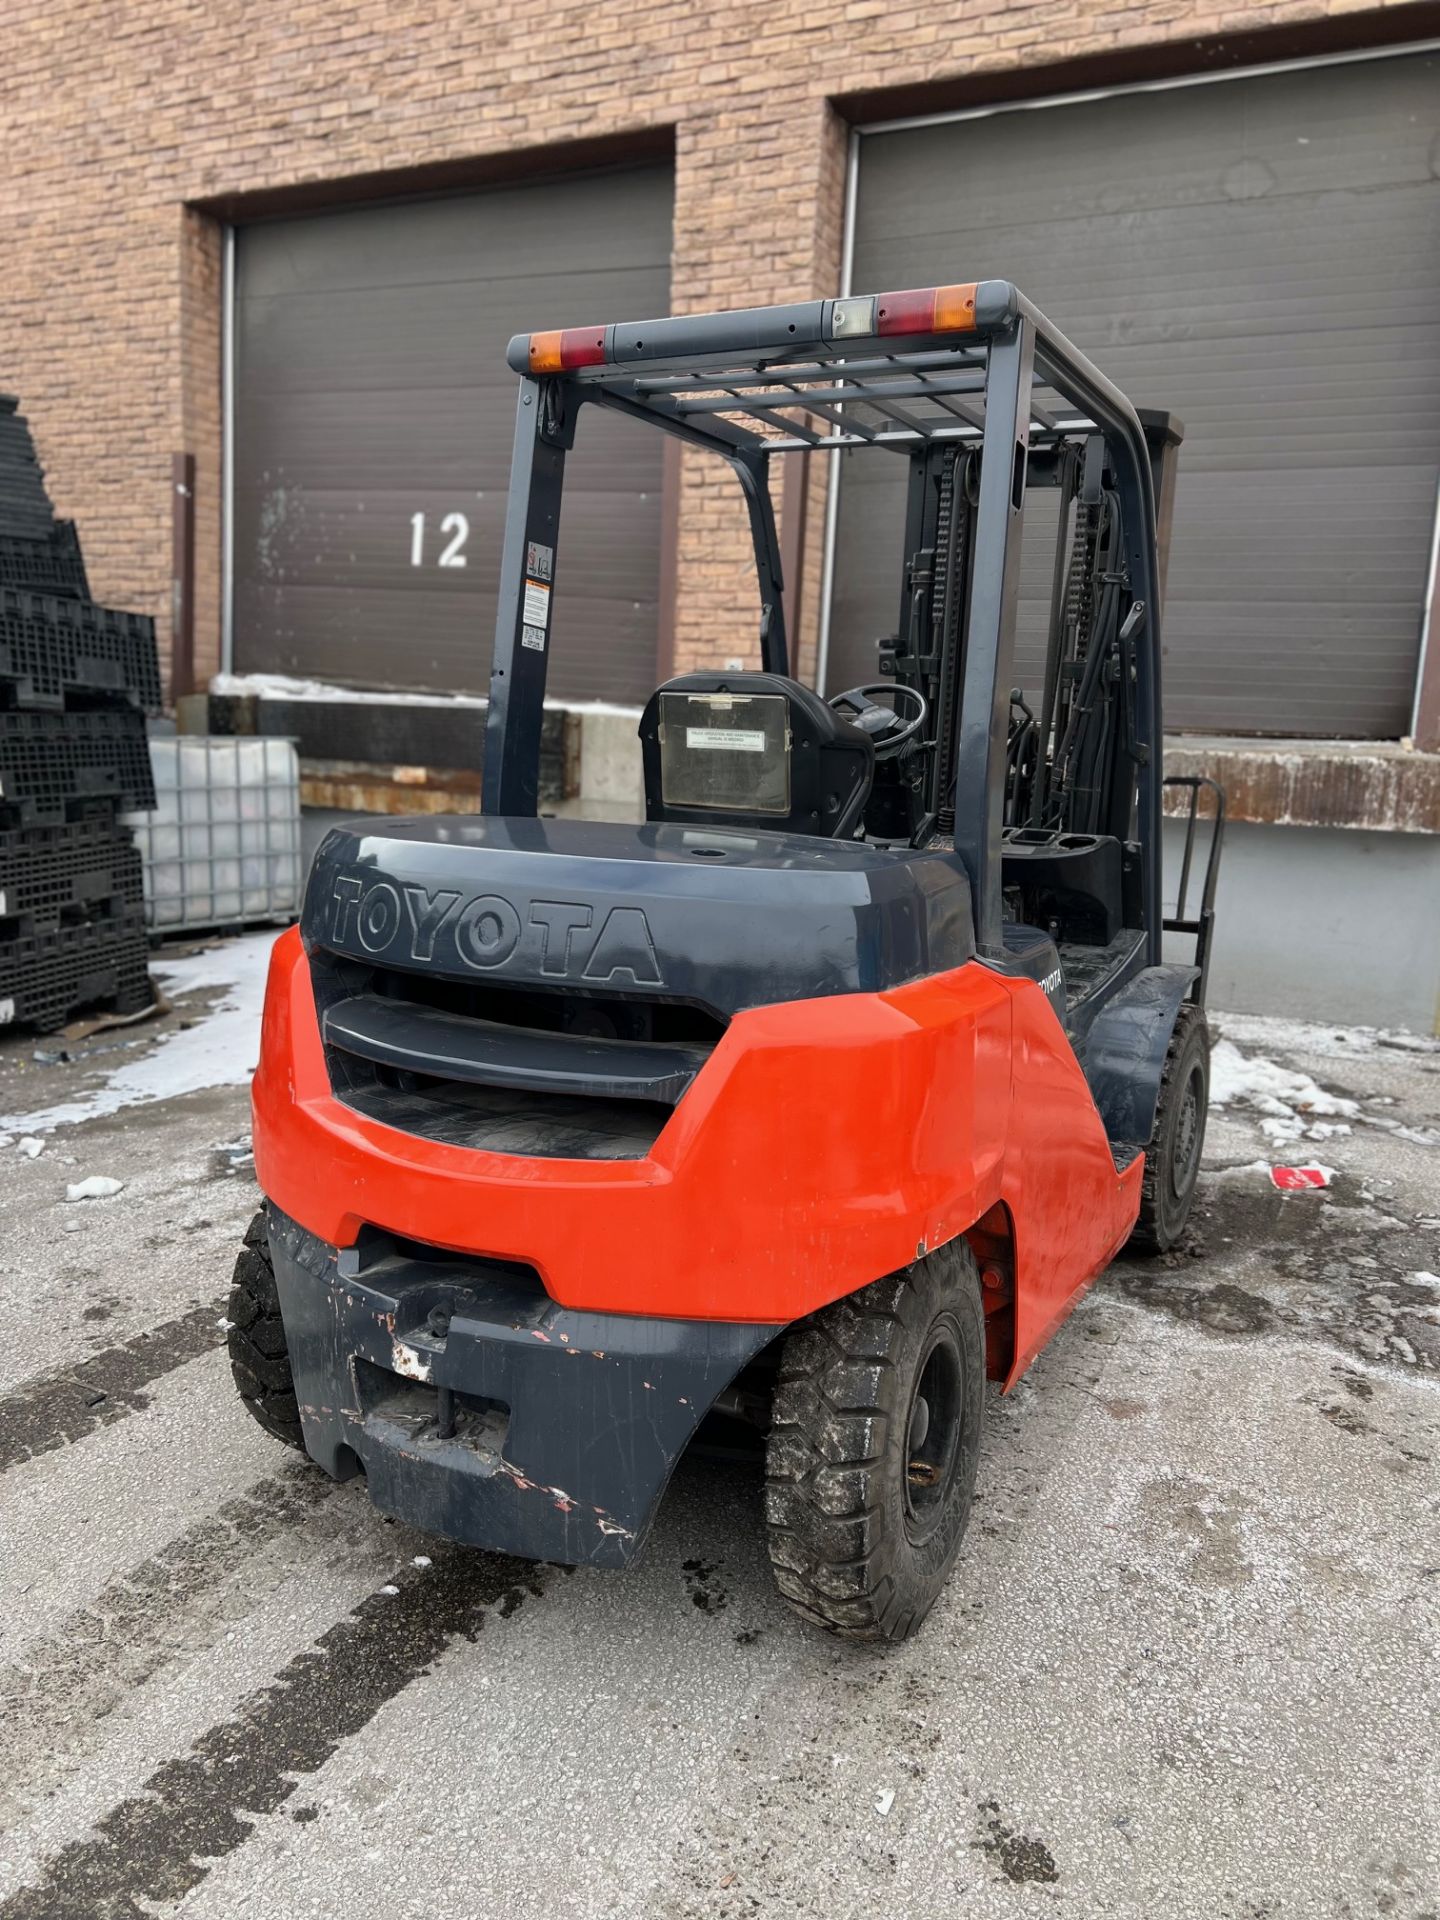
259 1356
1172 1159
874 1442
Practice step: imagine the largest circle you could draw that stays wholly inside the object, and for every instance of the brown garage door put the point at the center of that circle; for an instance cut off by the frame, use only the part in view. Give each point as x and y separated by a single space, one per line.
1261 256
373 425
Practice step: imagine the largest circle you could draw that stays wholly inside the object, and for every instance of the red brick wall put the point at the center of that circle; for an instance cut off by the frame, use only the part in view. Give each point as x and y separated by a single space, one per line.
117 119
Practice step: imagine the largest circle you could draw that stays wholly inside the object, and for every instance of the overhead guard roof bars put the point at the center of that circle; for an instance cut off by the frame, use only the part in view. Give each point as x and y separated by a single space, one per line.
885 370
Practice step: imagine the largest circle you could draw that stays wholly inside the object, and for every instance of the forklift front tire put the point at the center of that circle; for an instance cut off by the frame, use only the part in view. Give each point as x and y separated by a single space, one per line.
259 1356
874 1442
1172 1159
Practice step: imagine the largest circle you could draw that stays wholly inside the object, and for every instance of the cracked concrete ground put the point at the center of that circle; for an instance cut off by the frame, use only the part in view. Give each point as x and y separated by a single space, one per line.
1186 1666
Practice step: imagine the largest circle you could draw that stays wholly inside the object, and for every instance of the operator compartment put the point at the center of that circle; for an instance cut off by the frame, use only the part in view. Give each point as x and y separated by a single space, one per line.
553 988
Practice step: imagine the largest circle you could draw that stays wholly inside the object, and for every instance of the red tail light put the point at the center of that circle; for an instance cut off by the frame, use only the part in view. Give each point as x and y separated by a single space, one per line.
927 310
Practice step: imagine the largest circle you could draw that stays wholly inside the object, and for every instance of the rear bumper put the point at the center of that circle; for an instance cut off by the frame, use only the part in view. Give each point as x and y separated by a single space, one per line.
566 1424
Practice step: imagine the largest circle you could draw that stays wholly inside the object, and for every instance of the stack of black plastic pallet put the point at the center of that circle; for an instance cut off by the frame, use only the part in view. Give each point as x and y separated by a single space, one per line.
76 681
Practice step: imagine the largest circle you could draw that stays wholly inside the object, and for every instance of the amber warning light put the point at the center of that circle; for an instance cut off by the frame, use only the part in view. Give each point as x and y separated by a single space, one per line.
572 347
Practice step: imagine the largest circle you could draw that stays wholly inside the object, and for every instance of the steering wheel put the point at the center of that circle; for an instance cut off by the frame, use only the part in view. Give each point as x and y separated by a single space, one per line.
888 727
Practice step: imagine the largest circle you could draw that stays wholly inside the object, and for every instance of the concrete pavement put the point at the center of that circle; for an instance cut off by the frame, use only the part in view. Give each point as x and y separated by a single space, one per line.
1186 1666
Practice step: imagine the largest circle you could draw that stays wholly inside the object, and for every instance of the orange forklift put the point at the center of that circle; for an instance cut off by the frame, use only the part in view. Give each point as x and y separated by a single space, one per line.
816 1098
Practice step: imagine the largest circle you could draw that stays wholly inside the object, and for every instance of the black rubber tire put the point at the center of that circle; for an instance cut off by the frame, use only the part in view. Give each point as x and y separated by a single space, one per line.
259 1357
848 1552
1172 1159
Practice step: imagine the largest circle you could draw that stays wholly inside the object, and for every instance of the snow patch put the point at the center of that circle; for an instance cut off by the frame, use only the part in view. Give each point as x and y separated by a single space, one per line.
1244 1171
99 1186
1264 1031
1417 1136
282 686
1289 1099
219 1050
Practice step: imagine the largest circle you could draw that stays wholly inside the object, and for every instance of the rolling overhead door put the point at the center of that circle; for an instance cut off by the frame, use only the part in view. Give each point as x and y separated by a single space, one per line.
1262 257
374 416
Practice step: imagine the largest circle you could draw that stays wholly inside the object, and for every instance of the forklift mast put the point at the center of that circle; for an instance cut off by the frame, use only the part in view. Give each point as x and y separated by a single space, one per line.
1073 766
986 400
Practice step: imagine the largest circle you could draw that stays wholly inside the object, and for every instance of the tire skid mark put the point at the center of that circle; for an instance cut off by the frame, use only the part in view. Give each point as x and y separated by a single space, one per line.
162 1841
54 1698
52 1409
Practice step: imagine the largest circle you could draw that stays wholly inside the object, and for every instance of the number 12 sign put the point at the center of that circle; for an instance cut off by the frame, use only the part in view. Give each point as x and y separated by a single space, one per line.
454 532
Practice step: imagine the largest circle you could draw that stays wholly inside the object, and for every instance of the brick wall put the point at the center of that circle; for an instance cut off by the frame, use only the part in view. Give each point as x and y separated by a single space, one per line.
117 120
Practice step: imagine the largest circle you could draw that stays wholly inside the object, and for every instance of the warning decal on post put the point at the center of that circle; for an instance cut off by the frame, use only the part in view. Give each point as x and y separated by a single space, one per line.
539 560
534 638
537 604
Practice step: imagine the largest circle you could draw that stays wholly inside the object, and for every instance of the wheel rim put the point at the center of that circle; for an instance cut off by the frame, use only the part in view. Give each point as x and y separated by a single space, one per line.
1189 1129
933 1426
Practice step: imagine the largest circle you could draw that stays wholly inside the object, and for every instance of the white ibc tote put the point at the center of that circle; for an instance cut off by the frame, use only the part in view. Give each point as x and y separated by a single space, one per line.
223 844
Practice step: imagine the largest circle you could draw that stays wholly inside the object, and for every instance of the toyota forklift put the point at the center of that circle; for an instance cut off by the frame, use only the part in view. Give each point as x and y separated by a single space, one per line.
816 1099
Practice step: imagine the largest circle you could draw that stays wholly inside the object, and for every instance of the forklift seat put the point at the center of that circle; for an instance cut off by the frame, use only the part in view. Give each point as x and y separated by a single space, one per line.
753 750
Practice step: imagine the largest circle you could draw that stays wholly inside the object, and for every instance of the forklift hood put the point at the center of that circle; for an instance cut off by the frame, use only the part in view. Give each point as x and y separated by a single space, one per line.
710 917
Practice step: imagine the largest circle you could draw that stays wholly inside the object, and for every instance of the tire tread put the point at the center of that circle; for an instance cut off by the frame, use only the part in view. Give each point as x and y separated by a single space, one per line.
1150 1235
838 1557
259 1356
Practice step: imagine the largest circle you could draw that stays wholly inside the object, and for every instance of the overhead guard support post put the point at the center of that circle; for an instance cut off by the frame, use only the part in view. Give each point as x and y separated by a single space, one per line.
752 465
754 472
983 723
1163 434
510 777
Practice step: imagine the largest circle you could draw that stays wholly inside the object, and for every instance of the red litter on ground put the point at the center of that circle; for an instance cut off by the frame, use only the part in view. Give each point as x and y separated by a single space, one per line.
1296 1179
